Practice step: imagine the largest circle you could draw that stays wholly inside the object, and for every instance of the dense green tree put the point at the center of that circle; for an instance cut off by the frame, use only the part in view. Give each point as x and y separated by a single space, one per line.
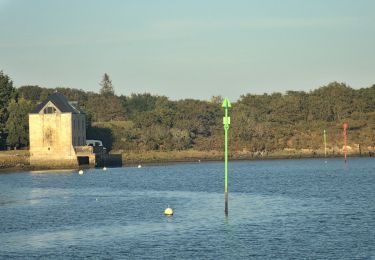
31 93
138 103
106 84
364 99
198 117
104 108
7 92
147 119
180 139
155 137
17 124
333 102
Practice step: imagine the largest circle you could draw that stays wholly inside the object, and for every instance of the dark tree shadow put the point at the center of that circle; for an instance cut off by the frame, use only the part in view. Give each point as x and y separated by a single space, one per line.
100 133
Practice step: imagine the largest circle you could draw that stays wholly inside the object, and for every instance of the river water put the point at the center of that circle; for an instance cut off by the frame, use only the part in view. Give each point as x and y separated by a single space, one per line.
278 209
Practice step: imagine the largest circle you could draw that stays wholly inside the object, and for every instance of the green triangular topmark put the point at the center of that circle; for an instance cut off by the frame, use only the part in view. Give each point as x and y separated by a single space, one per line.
226 103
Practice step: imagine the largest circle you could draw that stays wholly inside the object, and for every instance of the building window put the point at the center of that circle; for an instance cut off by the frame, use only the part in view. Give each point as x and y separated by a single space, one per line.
49 110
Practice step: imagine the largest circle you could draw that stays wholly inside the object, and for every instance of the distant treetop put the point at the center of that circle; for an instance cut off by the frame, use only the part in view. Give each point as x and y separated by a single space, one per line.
107 87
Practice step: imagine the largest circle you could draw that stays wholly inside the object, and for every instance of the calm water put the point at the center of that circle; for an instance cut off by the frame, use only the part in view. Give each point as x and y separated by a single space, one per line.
282 209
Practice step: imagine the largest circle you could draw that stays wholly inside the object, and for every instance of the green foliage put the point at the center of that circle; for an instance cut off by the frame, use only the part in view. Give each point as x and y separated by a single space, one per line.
296 119
333 102
106 84
104 108
31 93
180 139
7 92
198 117
139 103
17 124
259 123
38 94
123 134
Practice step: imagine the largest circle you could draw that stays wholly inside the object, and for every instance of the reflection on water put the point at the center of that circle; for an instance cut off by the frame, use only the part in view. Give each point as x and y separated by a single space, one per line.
277 209
53 171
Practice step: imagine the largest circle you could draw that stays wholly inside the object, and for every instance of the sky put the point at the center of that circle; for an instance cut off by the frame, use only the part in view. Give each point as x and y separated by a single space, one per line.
188 48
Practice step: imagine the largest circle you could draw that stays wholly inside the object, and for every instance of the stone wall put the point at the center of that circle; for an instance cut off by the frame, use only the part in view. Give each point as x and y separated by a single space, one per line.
51 139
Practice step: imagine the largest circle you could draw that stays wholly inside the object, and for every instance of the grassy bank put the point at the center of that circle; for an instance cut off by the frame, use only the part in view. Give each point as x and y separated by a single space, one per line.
17 159
133 158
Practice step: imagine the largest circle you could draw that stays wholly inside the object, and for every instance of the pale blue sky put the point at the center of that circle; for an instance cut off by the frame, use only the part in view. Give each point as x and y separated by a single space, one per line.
189 48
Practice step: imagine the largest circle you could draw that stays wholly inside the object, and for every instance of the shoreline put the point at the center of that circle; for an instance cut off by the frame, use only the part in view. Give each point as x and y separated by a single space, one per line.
15 161
169 162
157 157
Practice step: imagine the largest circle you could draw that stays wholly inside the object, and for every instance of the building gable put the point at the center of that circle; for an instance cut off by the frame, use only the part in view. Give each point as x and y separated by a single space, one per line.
60 102
49 108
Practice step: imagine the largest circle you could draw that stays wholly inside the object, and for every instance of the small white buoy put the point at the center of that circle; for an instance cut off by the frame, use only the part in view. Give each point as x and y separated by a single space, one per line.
104 168
80 172
139 166
168 211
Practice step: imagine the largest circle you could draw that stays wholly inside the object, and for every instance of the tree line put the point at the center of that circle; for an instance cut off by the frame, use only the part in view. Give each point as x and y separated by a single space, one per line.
259 123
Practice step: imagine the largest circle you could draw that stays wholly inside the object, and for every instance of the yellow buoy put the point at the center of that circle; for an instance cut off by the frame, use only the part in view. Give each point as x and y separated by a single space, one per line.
168 211
80 172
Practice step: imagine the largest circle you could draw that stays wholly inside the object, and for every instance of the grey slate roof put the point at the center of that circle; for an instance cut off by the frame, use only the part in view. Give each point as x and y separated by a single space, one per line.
60 101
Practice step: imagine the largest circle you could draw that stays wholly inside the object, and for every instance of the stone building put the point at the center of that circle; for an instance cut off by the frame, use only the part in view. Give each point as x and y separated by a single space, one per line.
58 134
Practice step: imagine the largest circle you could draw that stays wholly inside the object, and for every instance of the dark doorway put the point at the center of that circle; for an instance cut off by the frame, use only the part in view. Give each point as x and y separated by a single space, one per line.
83 160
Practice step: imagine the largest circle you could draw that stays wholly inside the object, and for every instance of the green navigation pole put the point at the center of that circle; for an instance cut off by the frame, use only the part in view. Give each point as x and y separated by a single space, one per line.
226 121
325 144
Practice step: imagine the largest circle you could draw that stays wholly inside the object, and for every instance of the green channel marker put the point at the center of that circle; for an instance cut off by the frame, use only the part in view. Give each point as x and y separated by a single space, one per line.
226 121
